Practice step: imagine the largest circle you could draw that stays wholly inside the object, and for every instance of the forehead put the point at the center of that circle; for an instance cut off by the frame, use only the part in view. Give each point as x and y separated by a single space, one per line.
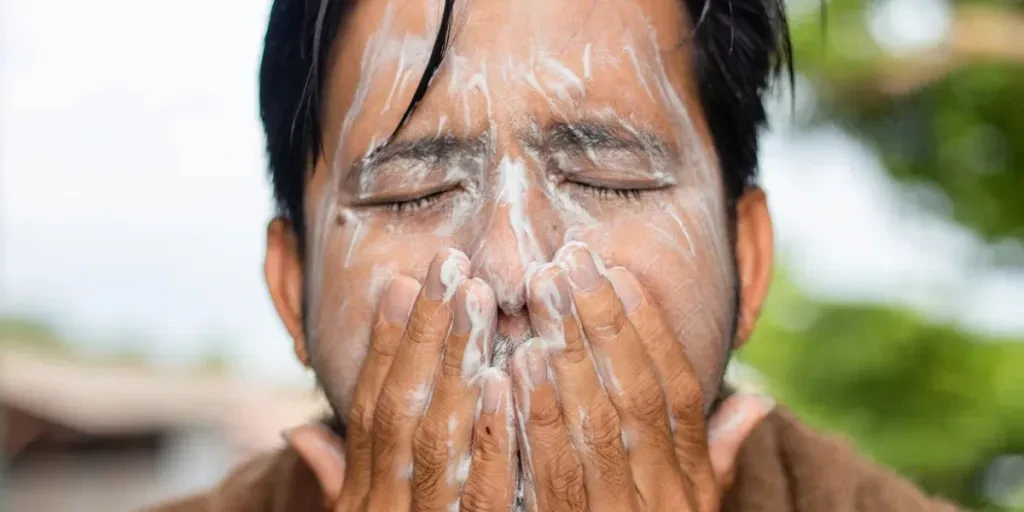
515 63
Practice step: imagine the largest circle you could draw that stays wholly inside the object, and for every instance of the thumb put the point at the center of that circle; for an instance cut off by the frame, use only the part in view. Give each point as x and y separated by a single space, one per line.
324 453
736 419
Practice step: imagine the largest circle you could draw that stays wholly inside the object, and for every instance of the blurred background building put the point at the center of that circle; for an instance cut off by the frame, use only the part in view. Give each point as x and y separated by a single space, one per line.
140 356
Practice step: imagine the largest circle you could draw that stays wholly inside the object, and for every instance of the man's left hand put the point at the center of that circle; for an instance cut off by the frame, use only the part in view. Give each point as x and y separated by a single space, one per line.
611 409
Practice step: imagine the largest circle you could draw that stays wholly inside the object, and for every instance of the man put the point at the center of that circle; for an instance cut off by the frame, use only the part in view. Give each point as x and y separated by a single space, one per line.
517 242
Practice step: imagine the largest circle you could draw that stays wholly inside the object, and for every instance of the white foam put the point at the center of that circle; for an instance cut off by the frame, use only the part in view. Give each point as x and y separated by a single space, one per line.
451 275
586 61
480 322
513 194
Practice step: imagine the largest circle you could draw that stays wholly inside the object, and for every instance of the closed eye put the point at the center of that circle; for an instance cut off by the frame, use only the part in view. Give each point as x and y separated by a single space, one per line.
606 192
416 203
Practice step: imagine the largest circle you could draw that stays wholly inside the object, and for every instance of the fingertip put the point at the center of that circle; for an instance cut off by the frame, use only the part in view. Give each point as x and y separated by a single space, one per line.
627 288
323 452
399 299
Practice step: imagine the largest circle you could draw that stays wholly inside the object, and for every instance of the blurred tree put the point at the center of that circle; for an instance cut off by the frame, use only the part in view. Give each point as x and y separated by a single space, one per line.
937 404
946 116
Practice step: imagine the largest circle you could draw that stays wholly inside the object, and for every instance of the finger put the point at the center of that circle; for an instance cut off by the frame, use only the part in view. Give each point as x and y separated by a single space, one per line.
553 469
324 453
406 390
491 482
681 385
441 443
735 420
593 424
631 383
394 311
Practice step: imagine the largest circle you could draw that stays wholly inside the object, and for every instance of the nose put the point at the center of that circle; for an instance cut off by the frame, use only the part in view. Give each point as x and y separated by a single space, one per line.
511 242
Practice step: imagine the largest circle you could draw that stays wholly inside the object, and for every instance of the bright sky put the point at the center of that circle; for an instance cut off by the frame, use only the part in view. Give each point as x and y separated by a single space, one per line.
134 199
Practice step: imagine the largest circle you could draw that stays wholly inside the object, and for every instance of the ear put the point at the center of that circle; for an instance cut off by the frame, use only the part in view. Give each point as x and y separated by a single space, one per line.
283 272
754 257
324 453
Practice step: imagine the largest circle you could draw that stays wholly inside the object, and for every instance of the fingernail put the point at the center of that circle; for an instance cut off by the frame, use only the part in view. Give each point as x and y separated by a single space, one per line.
463 316
446 272
725 426
735 418
332 449
537 362
494 390
583 271
767 402
626 288
551 289
399 298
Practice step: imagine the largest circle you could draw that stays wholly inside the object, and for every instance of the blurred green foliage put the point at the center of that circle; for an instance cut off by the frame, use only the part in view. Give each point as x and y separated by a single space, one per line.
933 402
947 118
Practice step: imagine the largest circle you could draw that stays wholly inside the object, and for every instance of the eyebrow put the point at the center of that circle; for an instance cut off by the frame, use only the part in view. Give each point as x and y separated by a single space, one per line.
579 137
425 150
576 138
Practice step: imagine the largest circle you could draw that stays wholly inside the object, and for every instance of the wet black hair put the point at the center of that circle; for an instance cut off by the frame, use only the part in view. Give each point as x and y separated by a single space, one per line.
740 46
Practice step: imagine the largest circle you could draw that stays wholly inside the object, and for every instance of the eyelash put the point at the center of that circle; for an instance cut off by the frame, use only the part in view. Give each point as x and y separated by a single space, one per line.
412 205
629 194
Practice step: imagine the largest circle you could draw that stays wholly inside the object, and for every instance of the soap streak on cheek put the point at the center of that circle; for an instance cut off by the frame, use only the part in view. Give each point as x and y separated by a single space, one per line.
686 233
357 233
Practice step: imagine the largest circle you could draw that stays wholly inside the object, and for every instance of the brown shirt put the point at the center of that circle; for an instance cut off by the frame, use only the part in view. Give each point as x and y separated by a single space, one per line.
783 466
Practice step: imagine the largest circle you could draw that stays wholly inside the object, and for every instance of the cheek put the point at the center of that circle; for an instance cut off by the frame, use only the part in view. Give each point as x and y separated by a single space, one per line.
676 256
355 265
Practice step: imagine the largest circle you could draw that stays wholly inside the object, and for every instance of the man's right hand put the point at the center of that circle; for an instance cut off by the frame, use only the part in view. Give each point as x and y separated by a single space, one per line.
415 406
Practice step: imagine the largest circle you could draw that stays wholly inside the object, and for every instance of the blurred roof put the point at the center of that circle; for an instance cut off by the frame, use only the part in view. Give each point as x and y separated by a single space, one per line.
105 399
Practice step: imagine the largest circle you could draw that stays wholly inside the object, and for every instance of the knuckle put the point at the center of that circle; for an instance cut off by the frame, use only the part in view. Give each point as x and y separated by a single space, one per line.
429 448
649 404
488 447
451 363
482 496
425 327
686 395
614 325
574 350
546 416
652 332
606 441
429 462
605 427
361 414
566 490
387 415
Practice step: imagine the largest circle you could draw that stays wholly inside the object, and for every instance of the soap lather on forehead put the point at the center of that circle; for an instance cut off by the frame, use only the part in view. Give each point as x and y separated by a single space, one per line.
499 72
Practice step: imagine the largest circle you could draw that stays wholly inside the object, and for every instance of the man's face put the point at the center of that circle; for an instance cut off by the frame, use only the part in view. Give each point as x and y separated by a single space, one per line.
547 122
